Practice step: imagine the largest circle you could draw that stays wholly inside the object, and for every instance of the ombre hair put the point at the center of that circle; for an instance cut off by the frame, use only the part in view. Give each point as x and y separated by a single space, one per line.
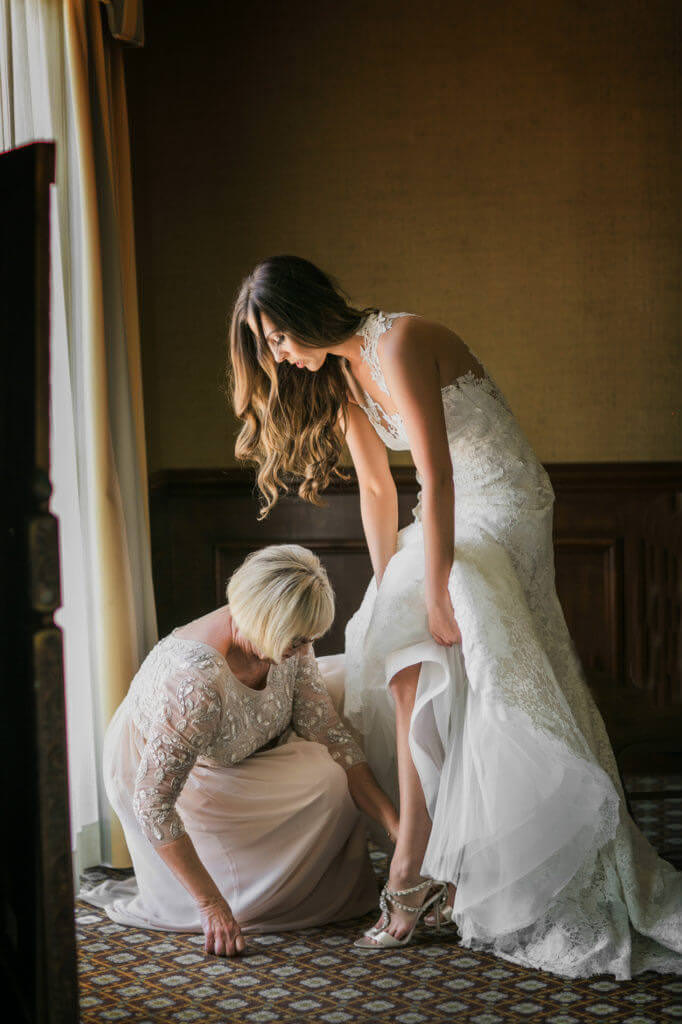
281 595
293 421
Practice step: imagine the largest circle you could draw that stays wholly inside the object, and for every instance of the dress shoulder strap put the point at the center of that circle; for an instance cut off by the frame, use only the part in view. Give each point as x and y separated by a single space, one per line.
371 329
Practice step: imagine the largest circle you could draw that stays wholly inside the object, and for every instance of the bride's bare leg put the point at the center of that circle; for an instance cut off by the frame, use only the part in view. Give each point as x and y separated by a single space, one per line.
415 824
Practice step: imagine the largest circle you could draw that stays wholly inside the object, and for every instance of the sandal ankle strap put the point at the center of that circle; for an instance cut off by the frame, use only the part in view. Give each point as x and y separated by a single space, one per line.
389 895
408 892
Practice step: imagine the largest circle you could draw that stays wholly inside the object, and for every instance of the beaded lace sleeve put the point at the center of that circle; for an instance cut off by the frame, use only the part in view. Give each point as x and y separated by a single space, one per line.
314 716
185 724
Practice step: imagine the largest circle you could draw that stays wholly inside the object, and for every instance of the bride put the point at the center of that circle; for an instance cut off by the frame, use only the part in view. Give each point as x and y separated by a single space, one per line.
460 672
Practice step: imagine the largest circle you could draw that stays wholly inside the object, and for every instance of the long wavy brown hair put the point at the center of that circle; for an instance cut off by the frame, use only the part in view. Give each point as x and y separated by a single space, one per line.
292 418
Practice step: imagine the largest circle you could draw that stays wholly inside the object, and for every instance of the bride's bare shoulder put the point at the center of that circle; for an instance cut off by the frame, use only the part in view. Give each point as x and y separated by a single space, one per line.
415 337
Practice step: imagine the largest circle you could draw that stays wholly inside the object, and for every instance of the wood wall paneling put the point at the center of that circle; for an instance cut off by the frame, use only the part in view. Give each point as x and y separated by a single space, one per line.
617 532
654 602
348 567
204 524
589 579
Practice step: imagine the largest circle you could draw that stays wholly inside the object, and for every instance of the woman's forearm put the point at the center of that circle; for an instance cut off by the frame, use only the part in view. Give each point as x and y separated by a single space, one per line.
222 932
438 520
183 860
379 511
370 798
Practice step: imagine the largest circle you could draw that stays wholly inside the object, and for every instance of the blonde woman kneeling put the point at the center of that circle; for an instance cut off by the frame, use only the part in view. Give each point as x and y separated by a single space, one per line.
233 821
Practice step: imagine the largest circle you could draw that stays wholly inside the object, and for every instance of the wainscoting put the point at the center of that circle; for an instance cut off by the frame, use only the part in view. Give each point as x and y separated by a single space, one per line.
618 540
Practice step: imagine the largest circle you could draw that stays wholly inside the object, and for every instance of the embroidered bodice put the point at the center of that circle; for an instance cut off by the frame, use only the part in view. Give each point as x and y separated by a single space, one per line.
190 707
390 426
489 451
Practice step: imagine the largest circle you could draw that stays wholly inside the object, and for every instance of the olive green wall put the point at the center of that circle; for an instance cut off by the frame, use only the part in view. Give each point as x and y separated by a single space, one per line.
509 168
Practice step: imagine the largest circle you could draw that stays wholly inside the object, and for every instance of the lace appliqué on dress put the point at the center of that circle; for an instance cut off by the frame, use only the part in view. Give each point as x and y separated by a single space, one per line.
183 727
371 330
189 706
390 426
486 384
314 716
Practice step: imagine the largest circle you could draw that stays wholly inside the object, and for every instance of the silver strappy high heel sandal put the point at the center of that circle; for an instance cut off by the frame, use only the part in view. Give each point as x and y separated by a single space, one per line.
446 913
445 917
378 937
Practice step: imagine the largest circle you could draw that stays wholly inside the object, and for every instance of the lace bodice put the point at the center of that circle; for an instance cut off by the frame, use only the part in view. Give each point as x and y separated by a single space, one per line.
492 460
190 707
390 426
371 329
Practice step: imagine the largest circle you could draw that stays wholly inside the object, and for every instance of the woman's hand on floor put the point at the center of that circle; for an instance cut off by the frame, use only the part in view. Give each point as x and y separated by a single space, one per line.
223 935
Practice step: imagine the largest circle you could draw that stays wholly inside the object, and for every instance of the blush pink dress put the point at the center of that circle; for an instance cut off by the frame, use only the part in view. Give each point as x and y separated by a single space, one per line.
255 777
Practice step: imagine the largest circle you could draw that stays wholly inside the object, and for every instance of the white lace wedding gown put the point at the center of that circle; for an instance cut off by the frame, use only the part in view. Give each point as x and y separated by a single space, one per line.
518 773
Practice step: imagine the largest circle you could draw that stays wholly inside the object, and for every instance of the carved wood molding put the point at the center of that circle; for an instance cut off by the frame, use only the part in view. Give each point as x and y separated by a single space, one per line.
243 480
566 477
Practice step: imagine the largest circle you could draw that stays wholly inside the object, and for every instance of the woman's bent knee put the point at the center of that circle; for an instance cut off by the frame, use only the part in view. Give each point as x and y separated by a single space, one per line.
331 780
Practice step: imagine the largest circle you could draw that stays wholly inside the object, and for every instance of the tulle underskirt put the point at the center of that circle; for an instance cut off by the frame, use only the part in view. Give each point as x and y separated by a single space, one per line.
526 820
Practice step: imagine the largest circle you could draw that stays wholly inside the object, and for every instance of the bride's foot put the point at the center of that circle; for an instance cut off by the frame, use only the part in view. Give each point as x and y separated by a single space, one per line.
401 921
445 910
402 902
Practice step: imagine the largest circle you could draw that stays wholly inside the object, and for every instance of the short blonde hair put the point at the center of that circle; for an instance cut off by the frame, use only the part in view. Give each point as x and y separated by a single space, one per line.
280 594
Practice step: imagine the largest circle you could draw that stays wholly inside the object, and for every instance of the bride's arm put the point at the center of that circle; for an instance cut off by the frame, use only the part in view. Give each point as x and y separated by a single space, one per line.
378 495
413 379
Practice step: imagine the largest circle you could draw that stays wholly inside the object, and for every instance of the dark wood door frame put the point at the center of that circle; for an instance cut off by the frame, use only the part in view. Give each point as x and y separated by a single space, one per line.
37 946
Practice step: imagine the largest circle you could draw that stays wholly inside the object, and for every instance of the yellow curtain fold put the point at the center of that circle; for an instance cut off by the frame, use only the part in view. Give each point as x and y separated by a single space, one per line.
62 77
126 20
113 448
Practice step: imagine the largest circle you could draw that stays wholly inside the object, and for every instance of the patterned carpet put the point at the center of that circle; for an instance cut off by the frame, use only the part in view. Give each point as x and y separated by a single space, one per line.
315 975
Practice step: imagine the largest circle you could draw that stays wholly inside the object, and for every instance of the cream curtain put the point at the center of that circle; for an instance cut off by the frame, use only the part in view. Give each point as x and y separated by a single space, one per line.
61 77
